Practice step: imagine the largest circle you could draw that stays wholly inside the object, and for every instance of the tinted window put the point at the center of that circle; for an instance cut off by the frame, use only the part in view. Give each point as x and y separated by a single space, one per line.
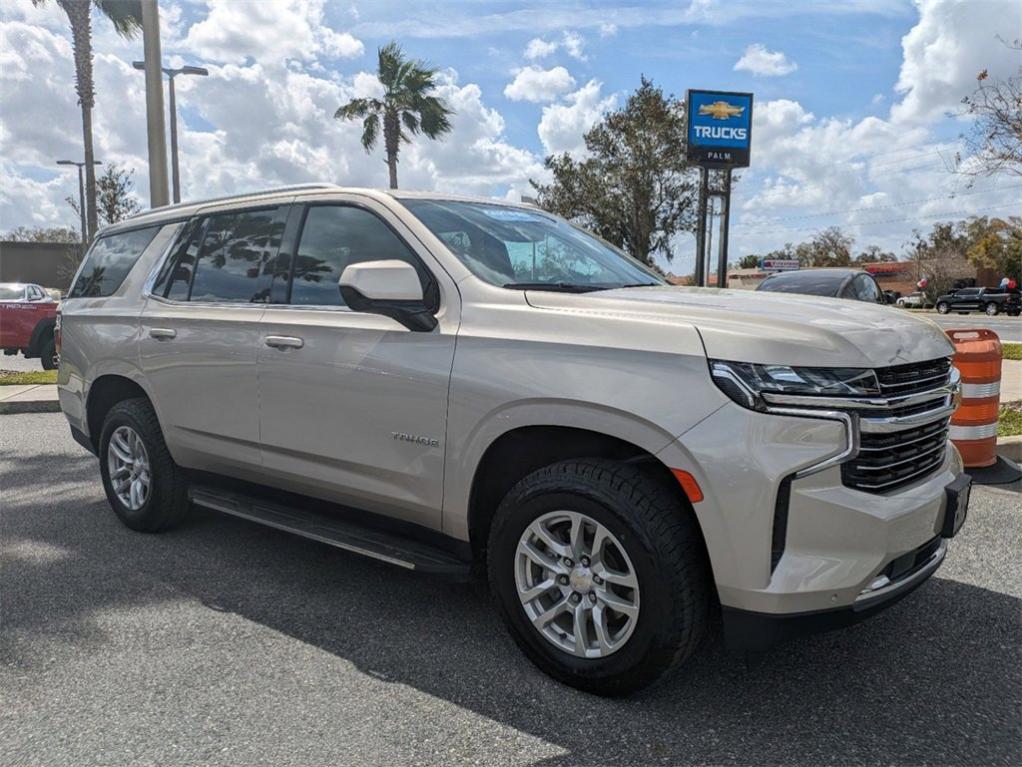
175 279
333 237
109 261
234 261
810 282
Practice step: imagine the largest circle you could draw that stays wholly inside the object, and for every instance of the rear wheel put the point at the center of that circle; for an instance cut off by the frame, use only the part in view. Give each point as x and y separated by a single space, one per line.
992 310
144 486
48 355
943 308
600 574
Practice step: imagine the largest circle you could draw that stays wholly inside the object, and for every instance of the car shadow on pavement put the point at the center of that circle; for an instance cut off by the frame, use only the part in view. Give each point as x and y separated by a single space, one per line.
902 688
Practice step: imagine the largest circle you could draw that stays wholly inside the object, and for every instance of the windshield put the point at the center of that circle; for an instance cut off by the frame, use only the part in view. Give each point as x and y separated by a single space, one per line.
528 249
11 293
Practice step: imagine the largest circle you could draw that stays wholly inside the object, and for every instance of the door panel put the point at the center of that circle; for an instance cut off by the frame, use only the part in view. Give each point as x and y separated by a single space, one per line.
200 361
356 414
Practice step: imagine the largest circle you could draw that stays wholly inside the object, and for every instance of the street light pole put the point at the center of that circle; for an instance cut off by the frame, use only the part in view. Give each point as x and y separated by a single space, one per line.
157 137
81 195
171 73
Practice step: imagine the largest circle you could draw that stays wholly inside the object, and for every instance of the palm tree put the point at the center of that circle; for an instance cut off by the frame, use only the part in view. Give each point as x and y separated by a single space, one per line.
404 110
126 16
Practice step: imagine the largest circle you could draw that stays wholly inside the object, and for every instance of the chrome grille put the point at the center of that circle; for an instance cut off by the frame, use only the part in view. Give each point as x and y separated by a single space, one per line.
904 442
888 461
916 377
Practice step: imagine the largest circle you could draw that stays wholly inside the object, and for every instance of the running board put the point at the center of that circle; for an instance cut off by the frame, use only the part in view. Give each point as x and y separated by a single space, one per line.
397 550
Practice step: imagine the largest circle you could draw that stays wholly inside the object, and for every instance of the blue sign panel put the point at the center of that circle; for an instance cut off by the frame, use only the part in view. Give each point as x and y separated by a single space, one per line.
719 128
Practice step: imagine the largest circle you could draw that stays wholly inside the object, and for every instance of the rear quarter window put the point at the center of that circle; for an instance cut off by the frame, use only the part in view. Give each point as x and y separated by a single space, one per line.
109 261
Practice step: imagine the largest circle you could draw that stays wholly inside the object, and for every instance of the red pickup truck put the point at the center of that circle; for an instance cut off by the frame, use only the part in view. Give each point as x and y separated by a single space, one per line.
28 315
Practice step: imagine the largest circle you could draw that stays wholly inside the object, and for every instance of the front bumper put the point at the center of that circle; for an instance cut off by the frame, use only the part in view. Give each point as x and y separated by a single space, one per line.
749 631
808 547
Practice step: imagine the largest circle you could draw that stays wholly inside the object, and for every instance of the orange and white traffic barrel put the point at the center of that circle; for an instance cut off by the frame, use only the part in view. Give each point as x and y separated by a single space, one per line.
974 425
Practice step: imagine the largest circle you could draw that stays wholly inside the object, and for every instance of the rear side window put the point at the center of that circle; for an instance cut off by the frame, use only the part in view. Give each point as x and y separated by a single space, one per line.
226 257
109 262
333 237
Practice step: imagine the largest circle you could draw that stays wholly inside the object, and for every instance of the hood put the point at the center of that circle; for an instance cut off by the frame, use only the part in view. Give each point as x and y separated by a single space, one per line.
772 328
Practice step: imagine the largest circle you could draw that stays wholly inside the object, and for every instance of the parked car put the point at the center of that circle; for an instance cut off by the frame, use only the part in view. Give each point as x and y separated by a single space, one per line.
990 301
915 300
853 284
27 317
454 385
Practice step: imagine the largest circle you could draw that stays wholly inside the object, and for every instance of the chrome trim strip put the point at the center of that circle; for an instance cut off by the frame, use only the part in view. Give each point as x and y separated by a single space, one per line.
950 388
941 433
900 423
916 457
862 601
933 464
849 451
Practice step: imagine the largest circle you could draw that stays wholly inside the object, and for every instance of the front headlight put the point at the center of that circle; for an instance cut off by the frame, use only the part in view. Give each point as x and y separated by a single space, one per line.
746 382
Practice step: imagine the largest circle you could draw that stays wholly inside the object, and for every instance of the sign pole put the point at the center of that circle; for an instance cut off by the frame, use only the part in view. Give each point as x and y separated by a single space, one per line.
700 274
725 225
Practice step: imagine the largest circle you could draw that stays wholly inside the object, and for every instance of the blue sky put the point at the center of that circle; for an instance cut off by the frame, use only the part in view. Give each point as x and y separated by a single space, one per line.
852 124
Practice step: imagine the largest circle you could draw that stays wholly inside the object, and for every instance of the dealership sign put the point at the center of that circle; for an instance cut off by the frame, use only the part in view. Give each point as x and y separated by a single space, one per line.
778 264
719 128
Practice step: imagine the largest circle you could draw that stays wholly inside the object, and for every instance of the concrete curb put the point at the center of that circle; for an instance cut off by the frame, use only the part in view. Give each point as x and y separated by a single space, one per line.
1010 448
29 406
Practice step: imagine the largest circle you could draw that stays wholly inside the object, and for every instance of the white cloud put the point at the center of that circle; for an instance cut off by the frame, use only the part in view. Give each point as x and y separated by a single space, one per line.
539 49
538 85
760 61
270 32
608 29
942 54
270 125
574 45
562 126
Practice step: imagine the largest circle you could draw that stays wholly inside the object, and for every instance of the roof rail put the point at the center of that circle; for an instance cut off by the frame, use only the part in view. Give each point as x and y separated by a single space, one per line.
259 193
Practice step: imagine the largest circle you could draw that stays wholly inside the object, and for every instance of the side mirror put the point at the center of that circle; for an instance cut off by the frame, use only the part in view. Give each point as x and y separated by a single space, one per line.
388 288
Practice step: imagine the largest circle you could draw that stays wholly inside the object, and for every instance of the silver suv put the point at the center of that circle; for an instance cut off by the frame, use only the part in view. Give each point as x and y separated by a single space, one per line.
443 383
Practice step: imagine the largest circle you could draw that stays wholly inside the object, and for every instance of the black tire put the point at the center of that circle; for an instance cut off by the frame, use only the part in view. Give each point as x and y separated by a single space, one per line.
943 308
659 534
167 503
992 310
48 355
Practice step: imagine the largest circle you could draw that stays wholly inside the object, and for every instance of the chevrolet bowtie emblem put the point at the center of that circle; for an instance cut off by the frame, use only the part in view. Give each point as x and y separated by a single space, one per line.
720 110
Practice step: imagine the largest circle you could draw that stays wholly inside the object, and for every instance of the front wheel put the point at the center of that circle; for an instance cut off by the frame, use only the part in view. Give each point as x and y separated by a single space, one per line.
992 310
943 308
600 574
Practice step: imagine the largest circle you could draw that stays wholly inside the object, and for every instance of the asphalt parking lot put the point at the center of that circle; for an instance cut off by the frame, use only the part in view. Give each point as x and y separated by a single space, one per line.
227 643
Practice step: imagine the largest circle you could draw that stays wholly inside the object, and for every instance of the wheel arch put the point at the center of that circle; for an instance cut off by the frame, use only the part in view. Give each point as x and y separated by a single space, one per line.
521 450
42 330
105 392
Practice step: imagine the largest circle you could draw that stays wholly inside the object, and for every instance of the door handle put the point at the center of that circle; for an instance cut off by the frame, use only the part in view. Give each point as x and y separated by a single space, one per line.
284 342
162 334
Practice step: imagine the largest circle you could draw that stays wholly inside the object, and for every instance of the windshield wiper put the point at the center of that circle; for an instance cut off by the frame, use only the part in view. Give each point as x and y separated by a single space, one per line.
643 285
563 287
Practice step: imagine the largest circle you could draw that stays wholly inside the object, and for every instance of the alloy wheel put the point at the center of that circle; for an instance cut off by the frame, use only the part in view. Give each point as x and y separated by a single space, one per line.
128 467
577 585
